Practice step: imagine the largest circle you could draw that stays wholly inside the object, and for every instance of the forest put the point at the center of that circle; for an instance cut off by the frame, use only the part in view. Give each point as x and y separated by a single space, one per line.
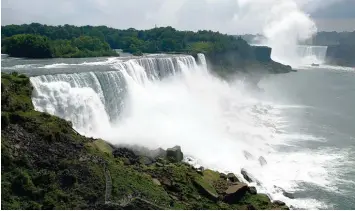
75 41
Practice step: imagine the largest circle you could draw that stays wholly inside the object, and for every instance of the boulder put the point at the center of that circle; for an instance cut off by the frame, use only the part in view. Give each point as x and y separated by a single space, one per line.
156 181
246 175
175 154
252 190
279 203
285 193
126 153
235 192
288 195
231 177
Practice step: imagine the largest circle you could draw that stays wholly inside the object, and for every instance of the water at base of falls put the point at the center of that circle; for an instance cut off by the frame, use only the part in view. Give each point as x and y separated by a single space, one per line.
163 102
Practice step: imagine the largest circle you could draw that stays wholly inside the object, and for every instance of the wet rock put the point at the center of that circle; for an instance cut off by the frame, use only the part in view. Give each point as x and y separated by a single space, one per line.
252 190
279 203
158 153
175 154
126 153
246 175
285 193
288 195
231 177
235 192
262 161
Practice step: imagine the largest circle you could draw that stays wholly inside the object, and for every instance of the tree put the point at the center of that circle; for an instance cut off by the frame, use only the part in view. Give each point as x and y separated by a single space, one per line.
28 45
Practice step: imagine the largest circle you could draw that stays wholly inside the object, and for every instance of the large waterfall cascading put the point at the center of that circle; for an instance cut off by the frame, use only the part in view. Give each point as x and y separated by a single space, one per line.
171 100
91 100
312 54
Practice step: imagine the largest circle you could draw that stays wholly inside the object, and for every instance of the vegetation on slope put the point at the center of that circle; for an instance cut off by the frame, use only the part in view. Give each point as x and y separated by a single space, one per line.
48 165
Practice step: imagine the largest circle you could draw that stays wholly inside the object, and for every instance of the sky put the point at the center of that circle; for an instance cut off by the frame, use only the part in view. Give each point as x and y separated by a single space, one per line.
226 16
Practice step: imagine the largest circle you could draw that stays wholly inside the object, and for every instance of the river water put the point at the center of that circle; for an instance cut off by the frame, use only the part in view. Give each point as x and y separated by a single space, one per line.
302 123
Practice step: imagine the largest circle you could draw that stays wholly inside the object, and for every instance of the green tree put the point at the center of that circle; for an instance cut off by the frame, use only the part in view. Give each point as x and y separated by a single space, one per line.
28 45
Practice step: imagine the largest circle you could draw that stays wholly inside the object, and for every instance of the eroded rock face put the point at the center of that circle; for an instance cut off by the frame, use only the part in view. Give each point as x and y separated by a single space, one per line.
235 192
175 154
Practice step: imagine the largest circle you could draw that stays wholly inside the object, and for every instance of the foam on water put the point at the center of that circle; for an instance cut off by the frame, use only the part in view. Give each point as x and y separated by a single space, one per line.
162 102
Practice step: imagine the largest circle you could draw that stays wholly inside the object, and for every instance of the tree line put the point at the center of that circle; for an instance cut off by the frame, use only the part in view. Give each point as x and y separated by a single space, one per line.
38 46
80 41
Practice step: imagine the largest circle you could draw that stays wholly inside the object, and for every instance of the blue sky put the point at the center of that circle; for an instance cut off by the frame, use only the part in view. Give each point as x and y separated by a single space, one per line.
228 16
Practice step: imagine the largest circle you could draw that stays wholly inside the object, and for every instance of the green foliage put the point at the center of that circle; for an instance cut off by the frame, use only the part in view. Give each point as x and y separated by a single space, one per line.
163 39
27 45
226 53
36 46
15 93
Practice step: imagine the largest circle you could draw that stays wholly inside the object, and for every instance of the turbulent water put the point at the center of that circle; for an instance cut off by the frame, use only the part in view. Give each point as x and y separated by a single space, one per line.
301 125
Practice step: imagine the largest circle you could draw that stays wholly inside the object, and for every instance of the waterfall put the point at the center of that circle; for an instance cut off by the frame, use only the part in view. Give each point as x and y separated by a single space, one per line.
94 100
202 60
168 100
312 54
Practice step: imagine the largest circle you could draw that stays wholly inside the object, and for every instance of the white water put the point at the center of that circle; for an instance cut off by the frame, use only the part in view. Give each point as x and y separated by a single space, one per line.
162 102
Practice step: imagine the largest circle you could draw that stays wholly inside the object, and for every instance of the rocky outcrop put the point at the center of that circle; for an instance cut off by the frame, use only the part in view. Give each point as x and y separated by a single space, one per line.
174 154
128 154
235 192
